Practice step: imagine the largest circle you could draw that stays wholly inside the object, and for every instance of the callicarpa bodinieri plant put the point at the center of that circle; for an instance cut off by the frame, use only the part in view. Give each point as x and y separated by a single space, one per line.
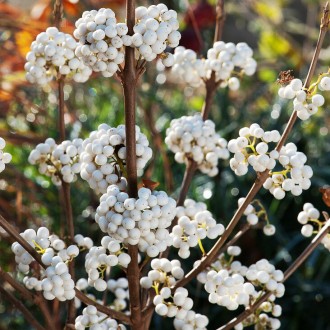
135 269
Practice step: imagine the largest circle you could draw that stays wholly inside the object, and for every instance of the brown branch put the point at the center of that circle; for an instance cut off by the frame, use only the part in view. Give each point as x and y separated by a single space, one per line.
261 177
103 309
68 210
48 316
188 176
20 138
221 17
194 24
61 123
18 238
19 305
18 287
158 144
238 235
129 77
323 30
296 264
58 13
70 225
211 86
129 87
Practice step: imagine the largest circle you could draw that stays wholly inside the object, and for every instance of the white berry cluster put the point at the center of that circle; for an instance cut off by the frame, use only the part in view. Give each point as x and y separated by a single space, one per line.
60 162
192 321
223 59
263 273
58 247
104 156
187 68
101 40
310 219
156 28
189 137
260 317
58 282
119 288
230 284
164 272
5 157
92 319
250 212
295 177
143 220
53 53
195 223
228 290
162 277
35 239
294 90
176 305
252 148
55 281
252 217
84 243
100 258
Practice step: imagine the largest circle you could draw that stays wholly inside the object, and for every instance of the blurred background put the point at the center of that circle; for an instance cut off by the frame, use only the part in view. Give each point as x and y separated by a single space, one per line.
282 33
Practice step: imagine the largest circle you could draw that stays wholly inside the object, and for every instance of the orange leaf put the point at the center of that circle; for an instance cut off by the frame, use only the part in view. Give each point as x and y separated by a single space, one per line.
23 41
152 185
4 96
8 10
71 8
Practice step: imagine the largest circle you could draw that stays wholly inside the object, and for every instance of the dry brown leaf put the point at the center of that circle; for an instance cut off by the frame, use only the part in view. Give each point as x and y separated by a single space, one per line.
326 195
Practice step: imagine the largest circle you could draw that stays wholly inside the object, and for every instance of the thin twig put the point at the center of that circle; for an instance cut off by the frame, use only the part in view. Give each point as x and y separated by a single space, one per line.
61 123
70 223
68 210
238 235
103 309
211 86
194 24
18 238
18 287
58 13
323 30
19 305
188 176
221 17
296 264
149 111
